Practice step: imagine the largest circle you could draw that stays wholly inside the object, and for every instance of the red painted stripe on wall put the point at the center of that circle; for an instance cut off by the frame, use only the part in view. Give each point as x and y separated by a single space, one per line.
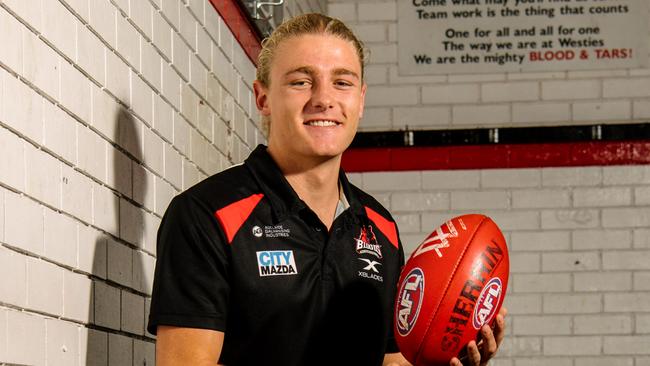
497 156
240 26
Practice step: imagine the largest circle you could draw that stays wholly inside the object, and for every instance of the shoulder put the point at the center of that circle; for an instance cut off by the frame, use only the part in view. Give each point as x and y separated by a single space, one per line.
210 212
221 189
222 202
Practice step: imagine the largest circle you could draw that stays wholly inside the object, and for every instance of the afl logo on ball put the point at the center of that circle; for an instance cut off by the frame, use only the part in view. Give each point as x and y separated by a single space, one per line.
487 303
411 296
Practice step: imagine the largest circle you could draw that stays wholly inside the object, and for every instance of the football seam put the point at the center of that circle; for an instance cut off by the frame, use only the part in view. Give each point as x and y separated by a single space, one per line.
446 289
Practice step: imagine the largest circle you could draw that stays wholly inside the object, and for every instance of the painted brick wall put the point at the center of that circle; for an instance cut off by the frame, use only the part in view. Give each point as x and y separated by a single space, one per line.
107 110
296 7
396 102
579 242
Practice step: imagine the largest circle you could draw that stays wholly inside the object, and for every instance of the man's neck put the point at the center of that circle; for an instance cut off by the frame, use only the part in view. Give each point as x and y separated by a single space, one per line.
315 182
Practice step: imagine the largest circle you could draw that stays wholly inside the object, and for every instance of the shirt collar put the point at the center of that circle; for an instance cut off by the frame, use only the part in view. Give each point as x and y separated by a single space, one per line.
276 188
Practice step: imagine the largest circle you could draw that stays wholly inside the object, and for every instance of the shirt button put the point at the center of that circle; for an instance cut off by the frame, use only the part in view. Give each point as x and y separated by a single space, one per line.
317 228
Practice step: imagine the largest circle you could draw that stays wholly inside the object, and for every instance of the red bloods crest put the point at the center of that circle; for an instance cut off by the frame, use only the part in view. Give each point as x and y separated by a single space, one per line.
367 242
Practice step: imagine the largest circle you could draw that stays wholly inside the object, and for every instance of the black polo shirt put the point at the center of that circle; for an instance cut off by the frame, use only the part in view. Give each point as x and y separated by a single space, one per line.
241 253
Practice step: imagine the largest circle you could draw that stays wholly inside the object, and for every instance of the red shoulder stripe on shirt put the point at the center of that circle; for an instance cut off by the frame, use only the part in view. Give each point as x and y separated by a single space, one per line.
387 227
233 216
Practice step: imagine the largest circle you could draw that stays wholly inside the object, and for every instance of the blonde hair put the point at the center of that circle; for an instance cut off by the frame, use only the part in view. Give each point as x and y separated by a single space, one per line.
312 23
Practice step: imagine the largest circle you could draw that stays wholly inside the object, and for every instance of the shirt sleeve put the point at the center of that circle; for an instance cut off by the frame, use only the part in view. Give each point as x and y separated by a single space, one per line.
190 287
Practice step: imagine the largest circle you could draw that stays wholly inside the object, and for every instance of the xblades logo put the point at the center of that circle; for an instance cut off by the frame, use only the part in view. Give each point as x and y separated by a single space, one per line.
371 265
367 271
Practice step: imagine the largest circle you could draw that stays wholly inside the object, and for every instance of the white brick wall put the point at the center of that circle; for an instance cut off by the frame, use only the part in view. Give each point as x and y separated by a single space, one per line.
486 100
62 342
579 290
14 277
27 343
3 335
99 127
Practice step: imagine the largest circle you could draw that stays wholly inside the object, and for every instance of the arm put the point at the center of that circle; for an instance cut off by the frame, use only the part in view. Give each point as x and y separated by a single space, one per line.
187 346
395 359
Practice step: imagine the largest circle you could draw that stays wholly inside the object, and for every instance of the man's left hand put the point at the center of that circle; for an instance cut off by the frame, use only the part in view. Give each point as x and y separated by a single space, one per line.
479 354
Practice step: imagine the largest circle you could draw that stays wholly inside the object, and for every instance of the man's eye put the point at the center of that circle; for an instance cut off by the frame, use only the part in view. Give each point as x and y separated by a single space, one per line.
299 83
343 83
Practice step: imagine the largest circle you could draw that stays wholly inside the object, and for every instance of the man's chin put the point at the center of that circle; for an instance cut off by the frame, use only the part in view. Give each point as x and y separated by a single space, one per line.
329 152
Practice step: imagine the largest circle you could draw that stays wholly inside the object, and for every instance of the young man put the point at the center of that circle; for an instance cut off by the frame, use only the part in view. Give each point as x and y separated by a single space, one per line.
281 261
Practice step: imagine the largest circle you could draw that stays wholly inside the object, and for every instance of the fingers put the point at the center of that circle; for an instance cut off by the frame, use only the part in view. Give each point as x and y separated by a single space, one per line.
500 328
473 353
479 355
455 362
503 311
489 345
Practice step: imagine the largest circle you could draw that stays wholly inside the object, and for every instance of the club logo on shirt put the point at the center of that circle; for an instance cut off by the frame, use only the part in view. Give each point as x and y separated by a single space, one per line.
276 263
367 242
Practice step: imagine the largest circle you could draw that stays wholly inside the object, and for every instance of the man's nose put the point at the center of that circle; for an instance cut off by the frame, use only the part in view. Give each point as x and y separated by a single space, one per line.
322 96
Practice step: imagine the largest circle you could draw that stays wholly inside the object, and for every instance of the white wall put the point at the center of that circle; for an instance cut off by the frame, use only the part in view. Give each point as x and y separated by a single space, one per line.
107 110
296 7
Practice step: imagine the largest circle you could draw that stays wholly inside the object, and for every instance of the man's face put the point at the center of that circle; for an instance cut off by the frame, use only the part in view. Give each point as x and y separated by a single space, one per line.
315 97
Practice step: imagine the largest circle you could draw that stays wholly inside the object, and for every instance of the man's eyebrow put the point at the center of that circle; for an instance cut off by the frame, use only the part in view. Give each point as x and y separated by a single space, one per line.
311 72
343 71
303 70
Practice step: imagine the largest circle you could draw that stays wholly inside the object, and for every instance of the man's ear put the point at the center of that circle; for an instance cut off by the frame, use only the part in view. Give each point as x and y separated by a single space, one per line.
261 98
362 100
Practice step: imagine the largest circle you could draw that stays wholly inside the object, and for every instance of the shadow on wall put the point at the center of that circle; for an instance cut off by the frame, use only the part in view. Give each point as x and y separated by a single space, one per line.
116 324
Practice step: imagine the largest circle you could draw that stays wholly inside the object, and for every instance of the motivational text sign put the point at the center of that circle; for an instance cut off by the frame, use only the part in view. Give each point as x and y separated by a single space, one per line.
471 36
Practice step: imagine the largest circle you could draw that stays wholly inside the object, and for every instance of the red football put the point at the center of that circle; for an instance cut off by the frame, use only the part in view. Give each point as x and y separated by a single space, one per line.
452 284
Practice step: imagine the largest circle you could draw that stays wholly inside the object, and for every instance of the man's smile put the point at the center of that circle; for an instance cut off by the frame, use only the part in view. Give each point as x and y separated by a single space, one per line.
322 123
